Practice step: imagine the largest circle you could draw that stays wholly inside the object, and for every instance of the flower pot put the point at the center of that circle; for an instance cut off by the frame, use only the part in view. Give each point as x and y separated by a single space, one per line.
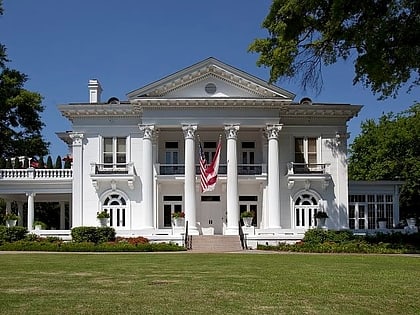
247 221
382 224
179 222
11 223
411 222
320 222
103 221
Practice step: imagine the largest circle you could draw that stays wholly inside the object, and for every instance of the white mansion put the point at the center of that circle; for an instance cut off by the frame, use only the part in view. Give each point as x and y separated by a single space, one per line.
139 160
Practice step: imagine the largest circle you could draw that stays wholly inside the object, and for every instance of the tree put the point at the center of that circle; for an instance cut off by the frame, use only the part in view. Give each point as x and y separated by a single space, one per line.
20 121
49 162
383 37
58 163
390 149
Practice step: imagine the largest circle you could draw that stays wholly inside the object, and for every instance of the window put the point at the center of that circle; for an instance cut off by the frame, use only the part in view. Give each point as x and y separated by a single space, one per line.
114 152
249 203
171 204
305 150
209 149
365 210
116 206
306 205
171 153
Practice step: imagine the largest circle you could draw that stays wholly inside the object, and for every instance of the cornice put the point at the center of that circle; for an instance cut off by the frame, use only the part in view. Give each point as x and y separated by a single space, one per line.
72 111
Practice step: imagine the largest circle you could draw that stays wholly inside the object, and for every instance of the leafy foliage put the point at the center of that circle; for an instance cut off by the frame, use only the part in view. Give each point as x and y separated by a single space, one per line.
12 234
321 241
382 36
92 234
390 149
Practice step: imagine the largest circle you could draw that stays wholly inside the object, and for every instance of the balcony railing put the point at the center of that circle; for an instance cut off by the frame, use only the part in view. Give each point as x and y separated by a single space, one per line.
306 168
112 168
35 173
243 169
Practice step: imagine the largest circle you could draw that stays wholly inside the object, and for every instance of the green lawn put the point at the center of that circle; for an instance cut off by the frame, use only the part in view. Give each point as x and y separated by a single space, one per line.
185 283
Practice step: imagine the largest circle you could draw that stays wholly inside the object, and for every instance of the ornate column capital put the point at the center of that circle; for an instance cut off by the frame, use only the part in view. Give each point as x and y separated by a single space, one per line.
273 131
231 131
77 138
148 131
189 131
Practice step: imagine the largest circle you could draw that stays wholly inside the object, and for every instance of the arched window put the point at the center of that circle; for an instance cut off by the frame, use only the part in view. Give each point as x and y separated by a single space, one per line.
116 206
305 206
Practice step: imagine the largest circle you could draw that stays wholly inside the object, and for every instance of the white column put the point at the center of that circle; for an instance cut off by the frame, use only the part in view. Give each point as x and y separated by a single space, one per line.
189 184
232 202
273 176
147 178
31 207
62 215
77 210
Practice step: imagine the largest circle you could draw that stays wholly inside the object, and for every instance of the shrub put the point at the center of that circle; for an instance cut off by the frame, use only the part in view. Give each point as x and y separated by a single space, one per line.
132 240
92 234
84 234
105 234
12 234
319 236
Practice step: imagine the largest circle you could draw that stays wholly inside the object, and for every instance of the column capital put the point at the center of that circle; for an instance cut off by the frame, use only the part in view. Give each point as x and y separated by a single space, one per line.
189 131
273 131
231 131
30 194
77 138
148 131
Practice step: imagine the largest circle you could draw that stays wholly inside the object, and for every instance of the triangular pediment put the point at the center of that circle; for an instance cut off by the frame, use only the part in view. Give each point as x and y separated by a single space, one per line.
210 78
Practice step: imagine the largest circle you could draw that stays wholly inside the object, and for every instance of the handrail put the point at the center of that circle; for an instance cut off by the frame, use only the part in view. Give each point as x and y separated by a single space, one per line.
188 238
34 173
242 236
305 168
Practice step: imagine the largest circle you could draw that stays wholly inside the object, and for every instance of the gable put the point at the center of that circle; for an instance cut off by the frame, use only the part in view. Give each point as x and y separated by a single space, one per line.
210 78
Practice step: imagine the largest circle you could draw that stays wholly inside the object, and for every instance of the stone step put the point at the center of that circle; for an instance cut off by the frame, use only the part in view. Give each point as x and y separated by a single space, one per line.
216 243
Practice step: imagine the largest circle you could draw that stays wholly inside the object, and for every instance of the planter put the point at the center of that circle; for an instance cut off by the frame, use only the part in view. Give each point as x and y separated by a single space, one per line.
320 222
11 223
103 221
382 224
247 221
179 222
411 222
38 227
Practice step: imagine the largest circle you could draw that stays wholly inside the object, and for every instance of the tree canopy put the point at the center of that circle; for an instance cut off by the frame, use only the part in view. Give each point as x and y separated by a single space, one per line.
20 109
383 38
388 150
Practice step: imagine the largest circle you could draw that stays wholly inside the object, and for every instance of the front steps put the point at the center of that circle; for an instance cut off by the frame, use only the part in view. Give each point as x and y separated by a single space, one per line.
215 243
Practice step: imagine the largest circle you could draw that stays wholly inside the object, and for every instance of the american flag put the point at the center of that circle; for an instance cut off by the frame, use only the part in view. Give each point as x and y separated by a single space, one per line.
209 171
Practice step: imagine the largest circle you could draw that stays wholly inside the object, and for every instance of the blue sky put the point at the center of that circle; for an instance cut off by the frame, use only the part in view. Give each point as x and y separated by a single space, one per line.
127 44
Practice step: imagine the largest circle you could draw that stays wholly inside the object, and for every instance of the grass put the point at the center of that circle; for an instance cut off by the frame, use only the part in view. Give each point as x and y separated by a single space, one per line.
180 283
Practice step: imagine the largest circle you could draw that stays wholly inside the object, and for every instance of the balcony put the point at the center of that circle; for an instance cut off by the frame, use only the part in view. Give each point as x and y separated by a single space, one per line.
243 169
112 173
308 173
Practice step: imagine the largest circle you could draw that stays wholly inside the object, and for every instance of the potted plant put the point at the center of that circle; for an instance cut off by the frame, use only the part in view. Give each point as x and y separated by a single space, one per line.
321 217
411 219
39 225
247 217
11 219
103 217
381 222
178 218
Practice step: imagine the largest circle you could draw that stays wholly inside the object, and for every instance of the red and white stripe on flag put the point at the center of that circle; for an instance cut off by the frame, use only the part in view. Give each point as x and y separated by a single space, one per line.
209 171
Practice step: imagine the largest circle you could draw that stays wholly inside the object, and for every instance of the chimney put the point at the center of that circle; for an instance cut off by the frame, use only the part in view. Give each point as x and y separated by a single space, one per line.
95 91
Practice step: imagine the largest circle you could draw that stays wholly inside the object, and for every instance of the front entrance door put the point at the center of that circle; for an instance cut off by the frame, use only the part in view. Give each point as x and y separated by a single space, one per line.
211 215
